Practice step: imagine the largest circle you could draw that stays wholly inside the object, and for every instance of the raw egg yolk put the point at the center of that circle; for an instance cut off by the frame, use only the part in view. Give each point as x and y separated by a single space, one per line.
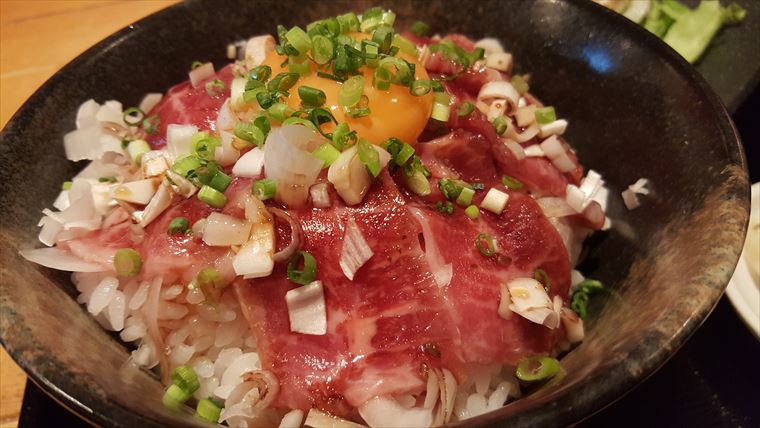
393 113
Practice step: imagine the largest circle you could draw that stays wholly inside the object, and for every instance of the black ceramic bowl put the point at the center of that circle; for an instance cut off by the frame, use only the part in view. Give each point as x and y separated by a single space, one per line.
636 110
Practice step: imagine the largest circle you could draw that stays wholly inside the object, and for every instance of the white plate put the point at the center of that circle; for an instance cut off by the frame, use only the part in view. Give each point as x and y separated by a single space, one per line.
744 290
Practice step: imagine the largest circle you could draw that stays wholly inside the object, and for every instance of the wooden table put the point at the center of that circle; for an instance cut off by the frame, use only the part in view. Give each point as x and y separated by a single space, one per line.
36 39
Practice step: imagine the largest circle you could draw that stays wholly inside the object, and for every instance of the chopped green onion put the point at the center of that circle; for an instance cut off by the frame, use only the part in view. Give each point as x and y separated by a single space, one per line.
405 45
311 96
500 125
264 189
249 132
451 189
220 181
441 112
204 145
472 212
399 70
178 225
185 377
420 87
175 397
520 83
351 91
209 280
437 86
444 208
361 108
66 185
404 154
442 98
298 39
212 197
186 165
383 36
327 152
348 23
195 64
545 115
282 82
420 28
252 89
465 197
535 368
292 120
369 157
477 186
485 244
465 109
343 136
511 182
133 116
302 67
127 262
381 79
136 149
417 182
151 123
280 111
208 410
109 179
580 298
306 274
261 73
214 88
322 49
331 76
541 276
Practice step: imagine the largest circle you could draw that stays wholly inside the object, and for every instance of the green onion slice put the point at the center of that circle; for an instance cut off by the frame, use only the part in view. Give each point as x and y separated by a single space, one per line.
546 115
249 132
311 96
261 73
214 88
420 87
369 157
472 212
298 39
127 262
66 185
175 397
185 377
212 197
351 91
220 181
178 225
511 182
420 29
535 368
328 153
465 197
208 410
485 244
322 49
280 111
520 84
264 189
307 273
282 82
204 145
151 124
500 125
541 276
187 165
465 109
133 116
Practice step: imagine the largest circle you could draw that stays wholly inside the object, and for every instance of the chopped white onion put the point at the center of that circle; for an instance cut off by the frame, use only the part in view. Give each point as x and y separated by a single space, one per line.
55 258
557 127
257 48
250 164
256 258
320 195
534 151
555 207
387 413
349 175
237 88
572 324
149 101
292 419
86 114
525 116
83 143
226 154
318 419
499 90
111 111
289 162
443 274
490 45
295 235
527 134
495 201
223 230
306 309
154 163
515 148
180 184
630 199
62 201
496 109
50 229
501 61
137 192
355 251
201 73
225 120
554 150
640 186
505 301
160 202
178 138
530 300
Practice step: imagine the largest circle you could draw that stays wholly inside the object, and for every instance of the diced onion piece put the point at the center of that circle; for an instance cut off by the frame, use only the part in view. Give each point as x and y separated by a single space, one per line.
295 235
201 73
223 230
250 164
557 127
318 419
515 148
495 201
237 88
355 251
575 197
160 202
111 111
556 207
530 300
257 48
226 154
136 149
349 176
490 45
83 143
630 199
225 119
554 150
86 114
499 90
320 195
149 101
388 413
573 325
292 419
50 229
528 134
501 61
288 161
178 139
55 258
640 186
180 184
62 201
136 192
154 163
505 301
496 109
525 116
306 309
534 150
256 258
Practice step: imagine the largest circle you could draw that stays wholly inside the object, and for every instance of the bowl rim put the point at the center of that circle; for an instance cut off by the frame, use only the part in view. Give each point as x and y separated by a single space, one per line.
593 402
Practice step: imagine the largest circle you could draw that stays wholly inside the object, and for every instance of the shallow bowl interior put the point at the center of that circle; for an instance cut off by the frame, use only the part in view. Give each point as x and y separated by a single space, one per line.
635 108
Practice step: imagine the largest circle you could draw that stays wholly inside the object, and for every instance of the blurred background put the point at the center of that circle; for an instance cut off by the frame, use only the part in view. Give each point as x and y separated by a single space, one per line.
698 387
